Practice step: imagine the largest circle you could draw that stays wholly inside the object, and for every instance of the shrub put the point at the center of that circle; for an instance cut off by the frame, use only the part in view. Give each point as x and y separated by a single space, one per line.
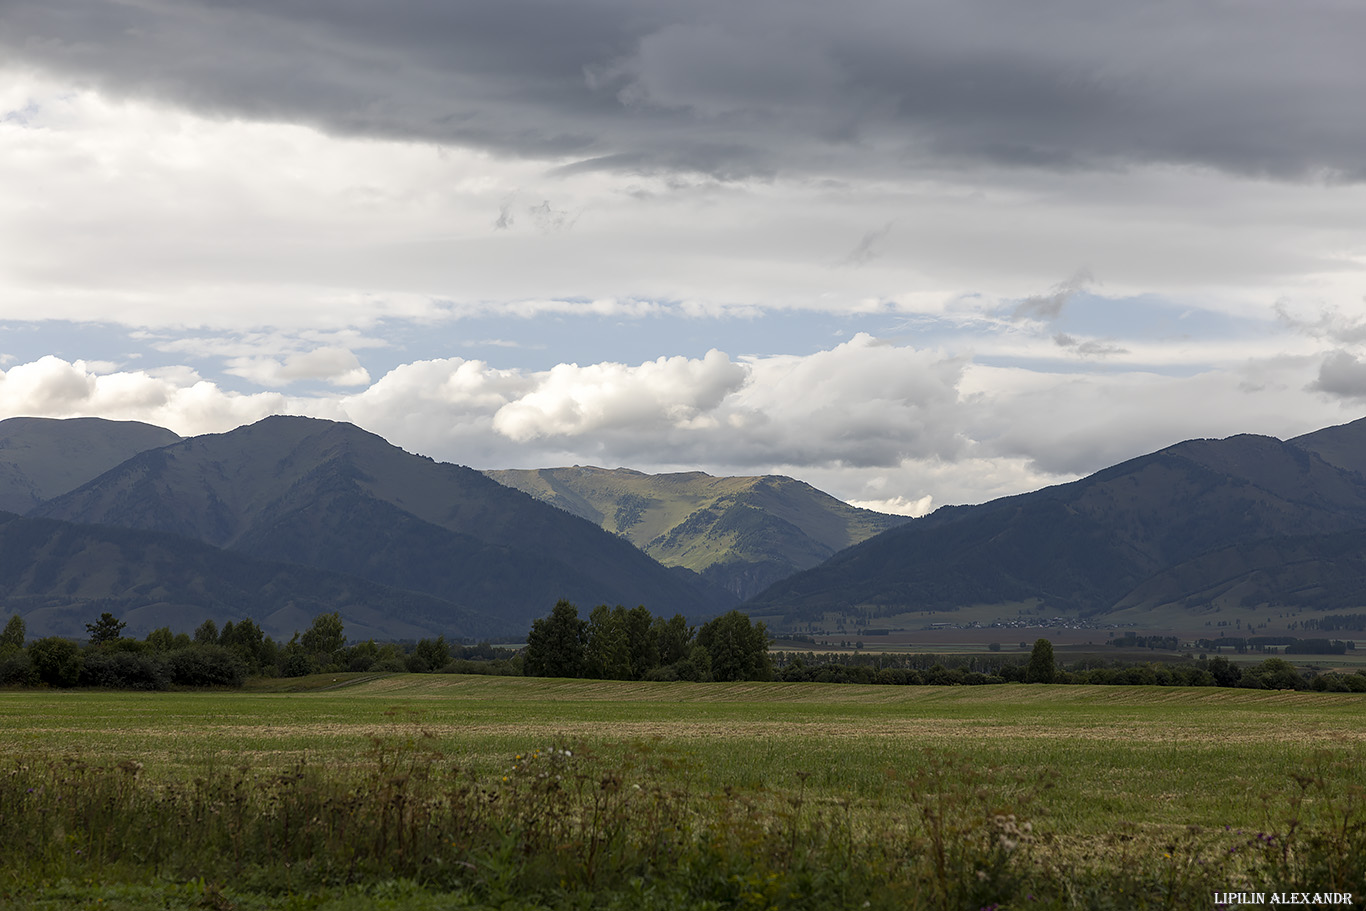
298 664
56 661
16 669
125 670
206 665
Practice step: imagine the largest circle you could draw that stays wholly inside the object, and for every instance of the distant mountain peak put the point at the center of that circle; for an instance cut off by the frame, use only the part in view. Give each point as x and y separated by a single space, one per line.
41 458
741 532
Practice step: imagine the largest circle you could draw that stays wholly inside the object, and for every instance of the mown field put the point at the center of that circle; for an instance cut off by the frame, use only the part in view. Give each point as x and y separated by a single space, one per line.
1176 782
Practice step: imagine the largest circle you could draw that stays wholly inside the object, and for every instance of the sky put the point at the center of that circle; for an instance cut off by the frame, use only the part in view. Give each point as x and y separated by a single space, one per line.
915 253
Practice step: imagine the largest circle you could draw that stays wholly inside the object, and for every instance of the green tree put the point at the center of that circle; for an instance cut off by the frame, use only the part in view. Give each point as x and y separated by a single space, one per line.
360 657
13 636
1224 672
106 629
1275 674
161 639
431 655
324 638
1041 668
247 641
642 643
555 645
737 648
295 661
206 633
673 639
56 661
607 651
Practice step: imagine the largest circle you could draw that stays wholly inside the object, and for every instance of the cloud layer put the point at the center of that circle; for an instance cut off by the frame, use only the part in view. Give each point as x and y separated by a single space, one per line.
914 253
888 426
756 88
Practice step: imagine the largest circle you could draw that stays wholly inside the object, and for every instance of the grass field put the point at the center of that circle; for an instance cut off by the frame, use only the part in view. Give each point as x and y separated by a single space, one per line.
1095 769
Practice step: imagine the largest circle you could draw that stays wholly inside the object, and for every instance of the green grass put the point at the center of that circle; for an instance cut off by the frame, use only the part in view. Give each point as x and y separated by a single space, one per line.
1094 764
1160 756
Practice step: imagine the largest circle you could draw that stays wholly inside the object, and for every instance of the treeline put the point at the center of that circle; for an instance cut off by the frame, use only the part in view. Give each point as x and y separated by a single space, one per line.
109 659
980 670
1292 645
1334 622
1133 640
615 643
222 657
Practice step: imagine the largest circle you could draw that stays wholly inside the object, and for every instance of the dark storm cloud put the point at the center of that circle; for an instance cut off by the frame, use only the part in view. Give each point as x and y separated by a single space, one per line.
733 90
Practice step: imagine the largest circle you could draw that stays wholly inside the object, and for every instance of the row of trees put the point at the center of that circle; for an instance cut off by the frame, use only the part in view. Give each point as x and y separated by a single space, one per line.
110 660
615 643
1040 667
221 657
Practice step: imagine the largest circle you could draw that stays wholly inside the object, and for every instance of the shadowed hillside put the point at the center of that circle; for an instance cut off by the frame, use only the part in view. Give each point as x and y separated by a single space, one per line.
61 576
1242 518
331 495
41 458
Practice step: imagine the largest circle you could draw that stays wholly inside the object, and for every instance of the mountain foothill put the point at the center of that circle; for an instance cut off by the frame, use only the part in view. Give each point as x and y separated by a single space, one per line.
291 517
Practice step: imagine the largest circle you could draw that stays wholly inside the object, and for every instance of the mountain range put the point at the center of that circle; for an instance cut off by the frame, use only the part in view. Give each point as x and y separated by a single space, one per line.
1244 521
291 517
741 533
331 496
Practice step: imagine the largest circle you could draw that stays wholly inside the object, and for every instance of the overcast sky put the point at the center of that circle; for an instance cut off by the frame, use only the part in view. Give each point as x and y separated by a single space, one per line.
915 253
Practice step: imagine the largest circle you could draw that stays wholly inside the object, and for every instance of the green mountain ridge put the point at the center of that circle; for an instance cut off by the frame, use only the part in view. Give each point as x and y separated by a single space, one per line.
1247 520
742 533
333 496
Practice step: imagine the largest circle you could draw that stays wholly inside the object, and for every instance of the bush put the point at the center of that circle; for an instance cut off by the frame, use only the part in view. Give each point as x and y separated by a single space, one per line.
17 670
298 664
56 661
206 665
125 670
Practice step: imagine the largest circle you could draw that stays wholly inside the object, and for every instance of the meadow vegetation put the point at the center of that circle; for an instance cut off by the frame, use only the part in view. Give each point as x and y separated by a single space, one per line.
387 791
